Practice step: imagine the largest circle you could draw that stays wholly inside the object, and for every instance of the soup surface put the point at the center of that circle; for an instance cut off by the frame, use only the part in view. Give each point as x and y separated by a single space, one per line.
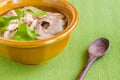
30 23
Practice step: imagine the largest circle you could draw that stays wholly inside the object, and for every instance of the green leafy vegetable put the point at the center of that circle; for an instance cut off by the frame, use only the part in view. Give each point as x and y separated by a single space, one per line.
20 12
36 12
24 33
4 22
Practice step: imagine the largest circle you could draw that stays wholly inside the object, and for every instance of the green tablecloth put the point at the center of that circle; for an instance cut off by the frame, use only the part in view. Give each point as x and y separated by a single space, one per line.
98 18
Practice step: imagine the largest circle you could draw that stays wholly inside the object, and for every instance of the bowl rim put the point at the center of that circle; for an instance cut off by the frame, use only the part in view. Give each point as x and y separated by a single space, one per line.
38 43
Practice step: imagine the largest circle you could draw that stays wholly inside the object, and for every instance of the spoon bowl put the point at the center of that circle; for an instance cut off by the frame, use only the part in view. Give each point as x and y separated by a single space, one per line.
99 47
96 50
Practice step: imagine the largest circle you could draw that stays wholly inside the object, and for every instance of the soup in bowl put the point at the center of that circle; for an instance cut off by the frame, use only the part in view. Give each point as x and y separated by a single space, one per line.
33 32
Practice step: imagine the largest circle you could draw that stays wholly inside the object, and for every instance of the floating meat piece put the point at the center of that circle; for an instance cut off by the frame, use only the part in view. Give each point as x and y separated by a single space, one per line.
11 34
13 25
28 19
5 34
32 26
55 25
14 21
11 13
43 34
49 26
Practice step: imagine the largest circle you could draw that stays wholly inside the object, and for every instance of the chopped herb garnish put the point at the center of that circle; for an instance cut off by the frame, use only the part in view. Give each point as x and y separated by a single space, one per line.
20 12
24 33
36 12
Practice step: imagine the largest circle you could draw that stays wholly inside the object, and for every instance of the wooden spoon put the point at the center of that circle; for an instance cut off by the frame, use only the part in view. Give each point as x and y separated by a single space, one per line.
96 50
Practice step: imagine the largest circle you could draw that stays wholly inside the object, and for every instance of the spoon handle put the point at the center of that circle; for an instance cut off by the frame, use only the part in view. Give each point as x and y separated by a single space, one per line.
86 68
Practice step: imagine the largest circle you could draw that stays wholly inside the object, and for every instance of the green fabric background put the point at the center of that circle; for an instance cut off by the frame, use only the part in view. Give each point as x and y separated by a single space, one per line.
98 18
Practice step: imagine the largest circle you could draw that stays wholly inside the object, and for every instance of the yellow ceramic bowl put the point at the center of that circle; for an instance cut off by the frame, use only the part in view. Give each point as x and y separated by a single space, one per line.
41 51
